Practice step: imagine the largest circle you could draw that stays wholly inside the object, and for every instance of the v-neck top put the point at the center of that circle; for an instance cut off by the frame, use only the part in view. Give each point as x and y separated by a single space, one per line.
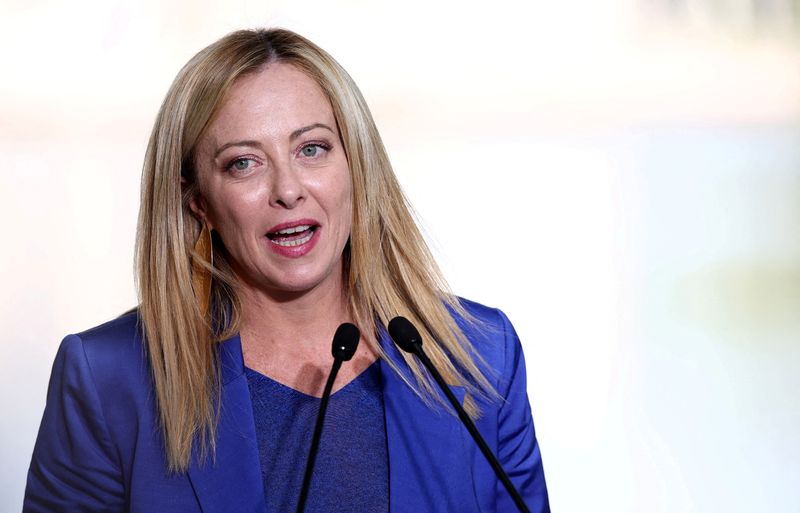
351 472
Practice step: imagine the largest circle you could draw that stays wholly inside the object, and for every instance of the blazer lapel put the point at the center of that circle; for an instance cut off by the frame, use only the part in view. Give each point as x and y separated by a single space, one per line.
429 466
232 480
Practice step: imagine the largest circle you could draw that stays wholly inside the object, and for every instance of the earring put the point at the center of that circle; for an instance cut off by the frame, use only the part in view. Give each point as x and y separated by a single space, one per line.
201 275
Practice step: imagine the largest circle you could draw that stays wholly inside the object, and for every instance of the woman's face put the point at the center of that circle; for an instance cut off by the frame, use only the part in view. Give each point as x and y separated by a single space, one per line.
274 182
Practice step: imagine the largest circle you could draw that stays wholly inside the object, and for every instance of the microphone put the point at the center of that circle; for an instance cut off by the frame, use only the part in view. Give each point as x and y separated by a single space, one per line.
345 342
408 338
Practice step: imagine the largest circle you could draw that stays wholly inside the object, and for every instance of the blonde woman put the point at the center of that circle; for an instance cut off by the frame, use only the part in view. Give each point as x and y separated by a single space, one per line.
270 215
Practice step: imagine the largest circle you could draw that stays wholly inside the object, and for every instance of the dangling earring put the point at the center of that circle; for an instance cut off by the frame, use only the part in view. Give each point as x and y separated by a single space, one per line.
201 276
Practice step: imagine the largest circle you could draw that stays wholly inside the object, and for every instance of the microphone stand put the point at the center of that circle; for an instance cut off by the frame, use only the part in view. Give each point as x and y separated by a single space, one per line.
345 342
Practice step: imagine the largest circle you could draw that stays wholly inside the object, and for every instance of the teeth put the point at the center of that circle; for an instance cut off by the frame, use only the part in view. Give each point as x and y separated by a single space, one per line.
292 243
295 229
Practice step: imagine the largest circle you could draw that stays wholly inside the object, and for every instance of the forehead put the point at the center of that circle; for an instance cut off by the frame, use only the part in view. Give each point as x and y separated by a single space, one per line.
270 103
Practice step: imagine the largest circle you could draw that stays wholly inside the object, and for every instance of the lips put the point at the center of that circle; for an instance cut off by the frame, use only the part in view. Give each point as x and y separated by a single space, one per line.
292 236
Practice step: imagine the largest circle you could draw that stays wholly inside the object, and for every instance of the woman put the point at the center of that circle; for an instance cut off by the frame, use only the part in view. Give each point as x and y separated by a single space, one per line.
270 214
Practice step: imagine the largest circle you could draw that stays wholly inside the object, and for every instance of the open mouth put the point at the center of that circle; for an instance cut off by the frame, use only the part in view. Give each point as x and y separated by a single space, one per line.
293 236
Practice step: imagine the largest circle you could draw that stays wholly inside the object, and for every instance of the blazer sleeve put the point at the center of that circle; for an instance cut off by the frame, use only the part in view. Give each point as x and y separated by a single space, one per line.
518 450
74 465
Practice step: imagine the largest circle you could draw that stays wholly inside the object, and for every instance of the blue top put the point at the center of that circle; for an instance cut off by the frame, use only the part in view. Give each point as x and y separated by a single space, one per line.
351 472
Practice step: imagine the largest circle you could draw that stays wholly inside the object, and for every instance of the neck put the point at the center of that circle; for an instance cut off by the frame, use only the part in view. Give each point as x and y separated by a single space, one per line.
293 323
288 338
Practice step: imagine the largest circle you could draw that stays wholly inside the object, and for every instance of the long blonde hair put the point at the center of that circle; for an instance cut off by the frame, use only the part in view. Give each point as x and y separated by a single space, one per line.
390 270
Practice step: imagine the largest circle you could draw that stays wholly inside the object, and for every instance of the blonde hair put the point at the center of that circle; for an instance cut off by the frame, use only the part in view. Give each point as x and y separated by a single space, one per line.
389 269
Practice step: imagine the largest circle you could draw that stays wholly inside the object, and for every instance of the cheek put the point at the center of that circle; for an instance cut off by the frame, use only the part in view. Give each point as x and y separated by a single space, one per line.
234 211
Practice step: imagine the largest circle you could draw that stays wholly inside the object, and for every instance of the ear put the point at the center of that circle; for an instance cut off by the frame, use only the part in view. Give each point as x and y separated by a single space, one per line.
198 206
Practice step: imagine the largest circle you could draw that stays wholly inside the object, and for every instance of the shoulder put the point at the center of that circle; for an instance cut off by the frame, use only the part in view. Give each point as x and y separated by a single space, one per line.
493 337
118 334
482 319
104 373
110 358
110 348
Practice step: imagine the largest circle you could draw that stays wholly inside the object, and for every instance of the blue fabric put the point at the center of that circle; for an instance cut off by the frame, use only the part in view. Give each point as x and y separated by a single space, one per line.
351 466
99 447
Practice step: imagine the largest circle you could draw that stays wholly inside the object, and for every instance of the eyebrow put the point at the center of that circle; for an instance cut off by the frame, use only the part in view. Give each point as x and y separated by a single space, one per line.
294 135
300 131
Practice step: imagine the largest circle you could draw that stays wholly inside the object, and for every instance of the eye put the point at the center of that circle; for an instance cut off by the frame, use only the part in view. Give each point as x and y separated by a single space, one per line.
241 164
314 150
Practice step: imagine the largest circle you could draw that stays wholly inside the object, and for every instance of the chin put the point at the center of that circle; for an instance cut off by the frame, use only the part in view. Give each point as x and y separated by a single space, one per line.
297 285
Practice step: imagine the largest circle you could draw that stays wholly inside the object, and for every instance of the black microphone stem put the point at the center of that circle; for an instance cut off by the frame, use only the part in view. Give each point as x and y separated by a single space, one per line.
312 453
470 425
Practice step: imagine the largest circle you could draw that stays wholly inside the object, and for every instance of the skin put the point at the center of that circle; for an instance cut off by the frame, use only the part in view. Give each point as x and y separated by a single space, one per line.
273 155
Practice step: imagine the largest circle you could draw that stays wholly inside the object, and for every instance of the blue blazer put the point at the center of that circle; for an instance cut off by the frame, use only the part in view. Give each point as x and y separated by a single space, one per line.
99 446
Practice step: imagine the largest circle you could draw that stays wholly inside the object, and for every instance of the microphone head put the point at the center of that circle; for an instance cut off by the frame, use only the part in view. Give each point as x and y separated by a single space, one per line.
345 341
405 335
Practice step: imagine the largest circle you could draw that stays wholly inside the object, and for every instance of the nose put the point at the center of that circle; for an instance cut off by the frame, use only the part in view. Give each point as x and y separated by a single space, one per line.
287 190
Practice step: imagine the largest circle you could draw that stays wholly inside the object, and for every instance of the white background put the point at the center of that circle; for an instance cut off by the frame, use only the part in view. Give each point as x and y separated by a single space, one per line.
622 179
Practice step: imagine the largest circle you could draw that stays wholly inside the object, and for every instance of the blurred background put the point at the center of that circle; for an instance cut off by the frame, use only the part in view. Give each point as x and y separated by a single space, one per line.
622 177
